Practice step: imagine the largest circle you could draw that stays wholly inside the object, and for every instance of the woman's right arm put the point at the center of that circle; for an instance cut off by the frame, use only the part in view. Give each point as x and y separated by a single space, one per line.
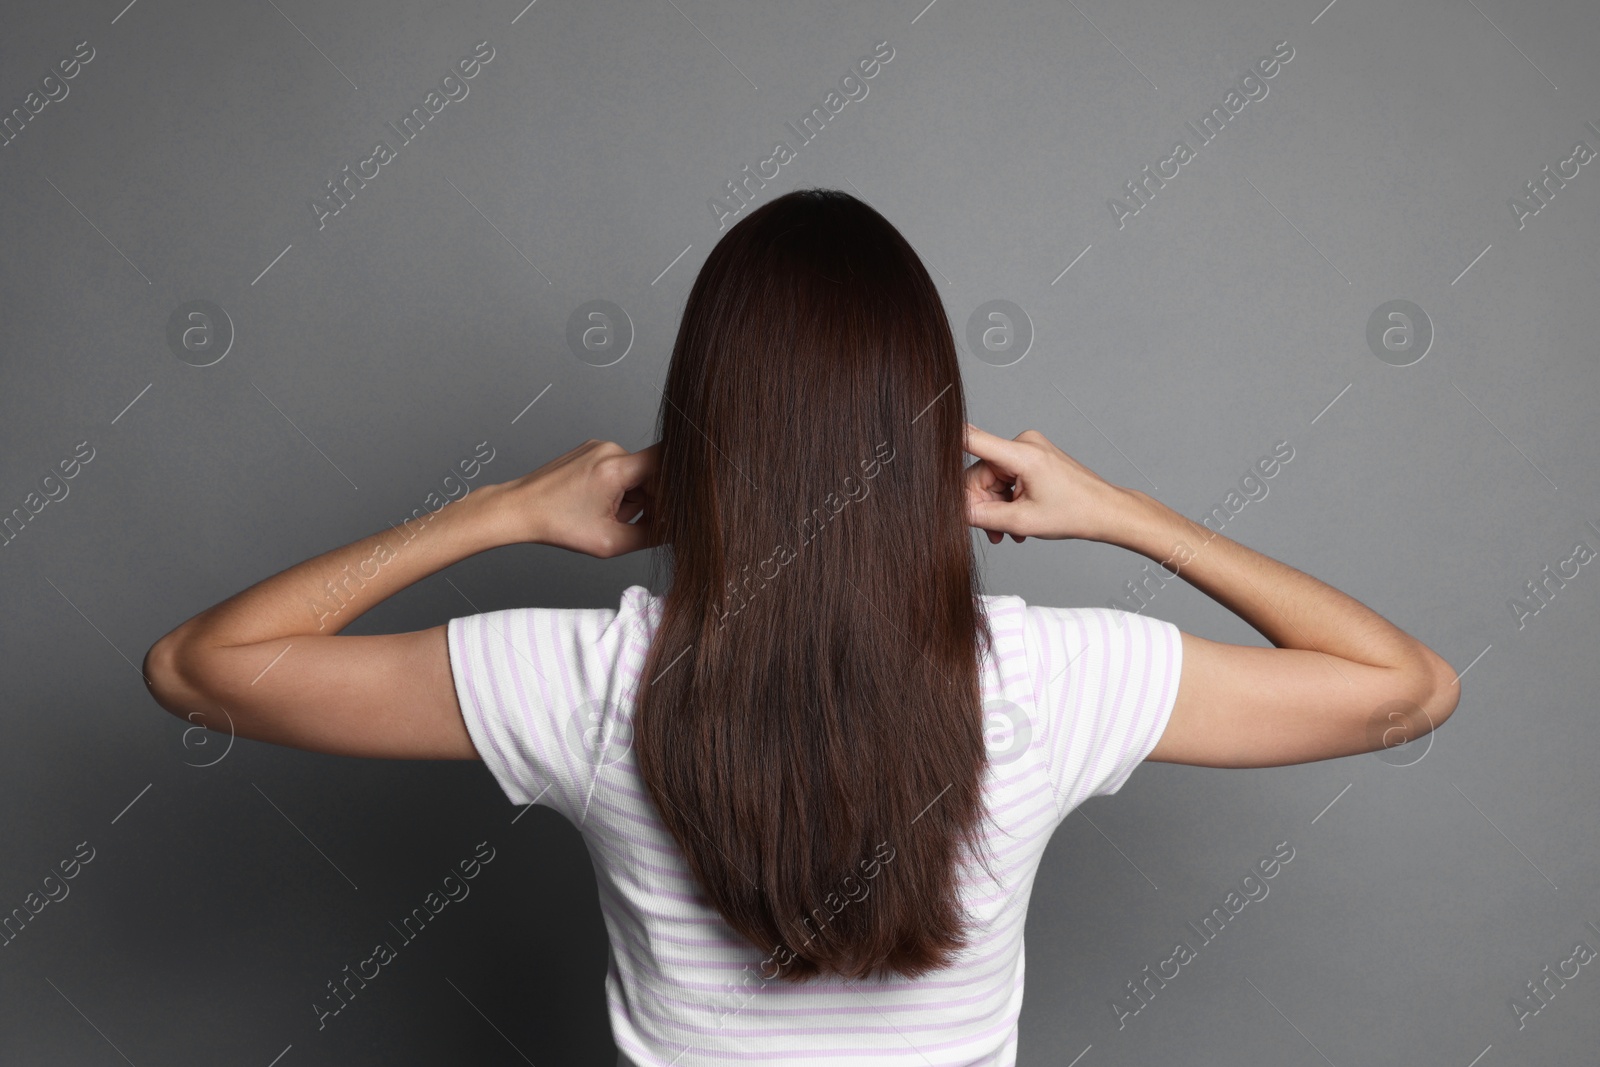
1342 679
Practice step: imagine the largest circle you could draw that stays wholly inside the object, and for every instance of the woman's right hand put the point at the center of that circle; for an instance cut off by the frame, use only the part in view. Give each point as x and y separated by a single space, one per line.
1027 487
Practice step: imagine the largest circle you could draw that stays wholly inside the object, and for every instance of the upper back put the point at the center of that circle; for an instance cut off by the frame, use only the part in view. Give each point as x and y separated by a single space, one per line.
1074 699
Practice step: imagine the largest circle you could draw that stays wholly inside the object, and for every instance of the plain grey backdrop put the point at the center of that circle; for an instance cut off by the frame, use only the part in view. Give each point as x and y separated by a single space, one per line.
1443 460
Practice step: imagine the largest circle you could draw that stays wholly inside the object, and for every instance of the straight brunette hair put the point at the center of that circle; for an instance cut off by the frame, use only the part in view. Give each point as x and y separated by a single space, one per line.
811 730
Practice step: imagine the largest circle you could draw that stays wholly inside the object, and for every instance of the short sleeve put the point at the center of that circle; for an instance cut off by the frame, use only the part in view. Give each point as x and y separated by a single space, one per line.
1104 682
541 695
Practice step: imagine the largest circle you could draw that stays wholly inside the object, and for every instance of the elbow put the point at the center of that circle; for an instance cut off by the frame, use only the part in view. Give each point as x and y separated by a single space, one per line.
165 676
1442 691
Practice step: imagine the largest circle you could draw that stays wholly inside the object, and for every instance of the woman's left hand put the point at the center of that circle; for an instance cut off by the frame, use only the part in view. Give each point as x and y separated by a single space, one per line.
586 500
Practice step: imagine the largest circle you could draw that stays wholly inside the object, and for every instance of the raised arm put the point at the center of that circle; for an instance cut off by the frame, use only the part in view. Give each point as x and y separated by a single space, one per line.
1341 680
268 663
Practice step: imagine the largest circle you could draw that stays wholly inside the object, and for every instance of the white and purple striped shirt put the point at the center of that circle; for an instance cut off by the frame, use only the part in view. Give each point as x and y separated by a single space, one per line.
1074 699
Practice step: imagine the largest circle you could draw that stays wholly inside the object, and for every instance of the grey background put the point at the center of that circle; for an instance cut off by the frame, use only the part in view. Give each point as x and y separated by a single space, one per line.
1228 315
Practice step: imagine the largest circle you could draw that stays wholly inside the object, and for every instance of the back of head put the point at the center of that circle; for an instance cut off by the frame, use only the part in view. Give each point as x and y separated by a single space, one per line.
809 728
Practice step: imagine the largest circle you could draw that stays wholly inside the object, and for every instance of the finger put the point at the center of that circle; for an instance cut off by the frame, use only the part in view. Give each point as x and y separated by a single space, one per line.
981 478
998 516
635 468
1002 454
988 483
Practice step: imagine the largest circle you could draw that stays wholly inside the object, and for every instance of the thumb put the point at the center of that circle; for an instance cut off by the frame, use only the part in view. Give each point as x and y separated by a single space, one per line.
624 537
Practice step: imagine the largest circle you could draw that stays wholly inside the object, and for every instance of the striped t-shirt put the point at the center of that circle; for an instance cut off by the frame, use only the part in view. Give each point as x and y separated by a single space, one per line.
1074 699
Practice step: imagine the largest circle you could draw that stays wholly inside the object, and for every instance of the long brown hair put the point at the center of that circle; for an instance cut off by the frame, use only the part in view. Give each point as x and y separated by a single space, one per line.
808 721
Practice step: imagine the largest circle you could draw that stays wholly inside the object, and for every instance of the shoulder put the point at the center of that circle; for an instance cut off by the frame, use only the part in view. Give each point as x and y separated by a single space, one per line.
1089 641
637 609
1090 624
565 648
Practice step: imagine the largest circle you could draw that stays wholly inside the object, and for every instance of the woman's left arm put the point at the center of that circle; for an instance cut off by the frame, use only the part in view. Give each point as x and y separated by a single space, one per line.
268 664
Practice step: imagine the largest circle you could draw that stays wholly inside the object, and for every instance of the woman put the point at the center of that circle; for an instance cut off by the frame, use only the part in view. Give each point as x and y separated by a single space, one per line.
817 775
